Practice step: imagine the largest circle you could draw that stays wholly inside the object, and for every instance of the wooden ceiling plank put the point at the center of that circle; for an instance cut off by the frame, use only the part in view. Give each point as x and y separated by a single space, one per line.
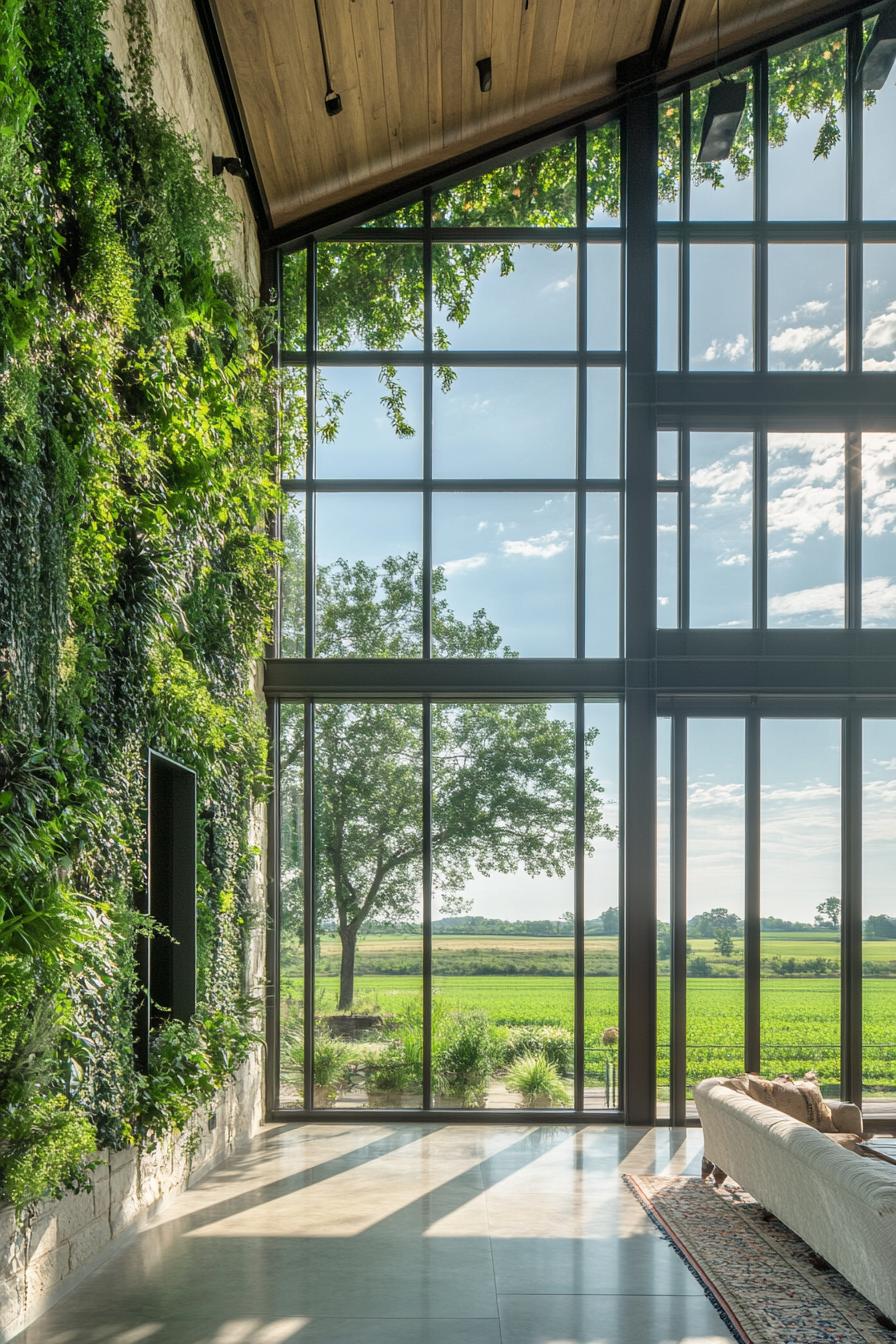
405 70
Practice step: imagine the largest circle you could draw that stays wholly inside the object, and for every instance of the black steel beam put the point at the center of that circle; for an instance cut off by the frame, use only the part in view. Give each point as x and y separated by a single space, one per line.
443 678
644 64
227 89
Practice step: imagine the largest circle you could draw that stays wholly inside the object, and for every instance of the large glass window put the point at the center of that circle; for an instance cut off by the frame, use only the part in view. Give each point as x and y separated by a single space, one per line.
538 490
801 893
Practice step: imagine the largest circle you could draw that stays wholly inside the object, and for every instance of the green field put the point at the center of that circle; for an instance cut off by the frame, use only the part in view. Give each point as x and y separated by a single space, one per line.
520 980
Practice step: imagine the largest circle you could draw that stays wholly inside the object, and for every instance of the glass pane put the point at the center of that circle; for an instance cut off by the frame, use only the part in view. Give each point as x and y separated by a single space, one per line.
878 178
292 906
293 300
806 501
503 850
292 578
667 560
667 307
663 914
503 575
604 423
491 422
667 455
369 296
716 845
807 131
293 422
721 307
538 191
405 217
604 172
602 576
369 422
669 165
879 530
806 306
604 296
369 580
602 907
723 190
879 915
368 912
879 307
800 899
721 530
504 296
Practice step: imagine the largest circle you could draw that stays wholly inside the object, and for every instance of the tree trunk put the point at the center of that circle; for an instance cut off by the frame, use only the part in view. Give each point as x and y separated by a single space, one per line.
349 939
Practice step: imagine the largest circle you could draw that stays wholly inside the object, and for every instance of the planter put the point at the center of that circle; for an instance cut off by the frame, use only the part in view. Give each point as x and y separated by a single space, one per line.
541 1102
473 1102
394 1101
324 1096
350 1024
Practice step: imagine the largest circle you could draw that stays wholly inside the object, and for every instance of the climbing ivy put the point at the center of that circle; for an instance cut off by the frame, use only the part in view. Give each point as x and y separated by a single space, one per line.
135 587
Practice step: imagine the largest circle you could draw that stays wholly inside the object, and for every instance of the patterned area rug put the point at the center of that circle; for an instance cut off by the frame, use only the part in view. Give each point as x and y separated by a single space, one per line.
766 1283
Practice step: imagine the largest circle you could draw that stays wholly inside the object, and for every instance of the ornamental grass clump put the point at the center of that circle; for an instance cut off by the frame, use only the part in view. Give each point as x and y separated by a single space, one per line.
537 1081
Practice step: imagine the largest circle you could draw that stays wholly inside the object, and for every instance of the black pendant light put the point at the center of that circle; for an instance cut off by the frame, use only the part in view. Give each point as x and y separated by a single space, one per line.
332 100
879 53
724 109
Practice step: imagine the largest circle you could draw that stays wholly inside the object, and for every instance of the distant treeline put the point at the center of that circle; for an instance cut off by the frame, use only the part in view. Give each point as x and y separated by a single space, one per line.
706 925
473 925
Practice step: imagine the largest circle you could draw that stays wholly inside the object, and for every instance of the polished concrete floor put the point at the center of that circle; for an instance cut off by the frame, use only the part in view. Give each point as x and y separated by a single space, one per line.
405 1234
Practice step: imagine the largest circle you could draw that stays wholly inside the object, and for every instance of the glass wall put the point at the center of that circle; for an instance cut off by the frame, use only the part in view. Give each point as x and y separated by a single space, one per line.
534 493
801 899
879 915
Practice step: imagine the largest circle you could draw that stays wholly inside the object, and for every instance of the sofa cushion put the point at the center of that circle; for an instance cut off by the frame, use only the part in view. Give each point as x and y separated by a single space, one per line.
800 1099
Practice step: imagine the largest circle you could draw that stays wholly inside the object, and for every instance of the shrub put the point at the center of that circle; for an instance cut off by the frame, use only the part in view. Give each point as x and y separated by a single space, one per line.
554 1043
333 1059
464 1052
537 1081
699 966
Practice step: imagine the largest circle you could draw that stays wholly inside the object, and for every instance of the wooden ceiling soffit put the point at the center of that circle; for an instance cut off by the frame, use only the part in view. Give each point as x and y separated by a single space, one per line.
406 73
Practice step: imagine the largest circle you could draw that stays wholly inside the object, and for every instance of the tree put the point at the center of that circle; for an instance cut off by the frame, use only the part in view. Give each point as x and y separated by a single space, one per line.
880 926
503 774
714 922
827 913
724 942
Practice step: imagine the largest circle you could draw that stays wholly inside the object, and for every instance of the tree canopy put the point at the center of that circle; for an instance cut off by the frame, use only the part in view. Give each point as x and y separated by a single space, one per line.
503 774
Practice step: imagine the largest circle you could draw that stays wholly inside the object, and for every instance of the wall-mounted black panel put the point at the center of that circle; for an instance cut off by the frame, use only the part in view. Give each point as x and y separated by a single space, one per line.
167 965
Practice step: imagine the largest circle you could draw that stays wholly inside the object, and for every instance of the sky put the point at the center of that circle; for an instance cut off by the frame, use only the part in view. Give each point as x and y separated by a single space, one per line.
513 554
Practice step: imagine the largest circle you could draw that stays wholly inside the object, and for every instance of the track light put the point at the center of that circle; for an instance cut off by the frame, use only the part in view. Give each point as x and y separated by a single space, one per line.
485 74
879 53
332 100
222 163
724 110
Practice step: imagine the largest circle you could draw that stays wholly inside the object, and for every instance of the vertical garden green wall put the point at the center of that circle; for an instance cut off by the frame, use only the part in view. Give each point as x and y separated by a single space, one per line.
135 586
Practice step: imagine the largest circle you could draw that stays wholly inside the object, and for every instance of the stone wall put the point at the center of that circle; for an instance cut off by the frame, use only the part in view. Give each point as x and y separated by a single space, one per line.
63 1239
185 90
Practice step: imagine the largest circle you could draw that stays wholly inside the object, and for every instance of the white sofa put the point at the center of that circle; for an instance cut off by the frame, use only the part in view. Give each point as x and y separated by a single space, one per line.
841 1204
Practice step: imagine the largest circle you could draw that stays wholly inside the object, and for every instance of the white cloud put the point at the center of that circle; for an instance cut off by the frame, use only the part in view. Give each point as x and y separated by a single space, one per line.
786 553
482 525
465 564
738 560
545 547
724 480
558 286
662 601
880 332
824 600
879 365
727 350
794 340
878 601
806 485
667 527
813 306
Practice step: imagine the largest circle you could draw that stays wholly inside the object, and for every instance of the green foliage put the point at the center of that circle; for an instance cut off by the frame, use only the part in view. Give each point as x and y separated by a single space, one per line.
537 1081
333 1059
463 1055
555 1044
135 582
